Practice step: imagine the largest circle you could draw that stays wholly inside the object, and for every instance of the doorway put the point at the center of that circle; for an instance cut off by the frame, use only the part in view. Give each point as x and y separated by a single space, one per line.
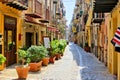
10 40
29 39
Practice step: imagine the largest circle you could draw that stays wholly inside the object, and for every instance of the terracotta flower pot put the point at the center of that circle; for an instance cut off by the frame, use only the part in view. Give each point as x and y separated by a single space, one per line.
45 61
52 59
22 71
62 54
35 66
87 49
58 56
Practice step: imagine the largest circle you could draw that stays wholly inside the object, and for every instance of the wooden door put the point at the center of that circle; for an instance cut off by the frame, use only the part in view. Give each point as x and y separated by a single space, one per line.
10 40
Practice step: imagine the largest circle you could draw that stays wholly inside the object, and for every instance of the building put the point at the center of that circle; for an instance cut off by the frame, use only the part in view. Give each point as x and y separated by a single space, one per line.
26 22
11 23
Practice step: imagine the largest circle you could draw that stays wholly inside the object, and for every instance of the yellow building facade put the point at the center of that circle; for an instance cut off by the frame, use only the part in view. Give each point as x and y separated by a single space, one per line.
113 56
10 28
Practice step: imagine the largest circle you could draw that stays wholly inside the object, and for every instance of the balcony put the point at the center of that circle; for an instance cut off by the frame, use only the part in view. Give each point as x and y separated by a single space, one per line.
18 4
98 17
35 9
103 6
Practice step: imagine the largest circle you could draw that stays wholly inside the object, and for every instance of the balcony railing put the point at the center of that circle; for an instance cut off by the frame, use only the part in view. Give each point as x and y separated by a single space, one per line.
35 9
98 17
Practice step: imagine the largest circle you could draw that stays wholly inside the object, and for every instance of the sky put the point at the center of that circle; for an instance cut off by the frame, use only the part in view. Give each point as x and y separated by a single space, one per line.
69 6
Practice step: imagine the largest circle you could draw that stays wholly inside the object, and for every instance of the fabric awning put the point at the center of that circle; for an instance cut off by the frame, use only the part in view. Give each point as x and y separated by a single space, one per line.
52 29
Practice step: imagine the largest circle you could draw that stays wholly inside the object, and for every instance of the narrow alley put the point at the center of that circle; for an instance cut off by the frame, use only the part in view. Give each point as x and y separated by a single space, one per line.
76 64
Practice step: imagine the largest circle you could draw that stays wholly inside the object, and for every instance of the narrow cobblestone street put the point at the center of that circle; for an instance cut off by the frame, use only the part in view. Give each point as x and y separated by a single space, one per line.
76 64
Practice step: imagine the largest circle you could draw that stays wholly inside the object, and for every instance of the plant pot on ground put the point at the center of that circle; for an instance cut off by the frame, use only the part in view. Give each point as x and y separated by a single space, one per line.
45 61
58 56
35 55
2 61
61 47
44 55
23 68
86 47
52 56
52 59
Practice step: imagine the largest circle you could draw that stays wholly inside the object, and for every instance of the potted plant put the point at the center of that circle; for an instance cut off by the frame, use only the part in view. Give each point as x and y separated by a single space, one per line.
2 59
61 45
23 68
44 55
35 57
53 51
86 47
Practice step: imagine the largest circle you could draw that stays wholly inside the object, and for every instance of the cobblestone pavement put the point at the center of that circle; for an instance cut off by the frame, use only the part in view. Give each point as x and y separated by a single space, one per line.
76 64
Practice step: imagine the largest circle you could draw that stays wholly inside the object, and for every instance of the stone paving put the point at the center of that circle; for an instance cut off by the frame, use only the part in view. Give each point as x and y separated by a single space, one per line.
76 64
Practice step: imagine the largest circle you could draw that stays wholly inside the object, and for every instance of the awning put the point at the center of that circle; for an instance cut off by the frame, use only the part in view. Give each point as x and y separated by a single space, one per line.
52 29
17 5
34 15
44 21
89 19
102 6
31 20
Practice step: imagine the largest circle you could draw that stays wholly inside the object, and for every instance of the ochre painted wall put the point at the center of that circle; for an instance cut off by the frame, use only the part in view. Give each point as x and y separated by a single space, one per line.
118 53
12 12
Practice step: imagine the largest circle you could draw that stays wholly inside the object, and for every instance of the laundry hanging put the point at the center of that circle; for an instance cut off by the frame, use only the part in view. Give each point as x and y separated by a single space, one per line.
116 40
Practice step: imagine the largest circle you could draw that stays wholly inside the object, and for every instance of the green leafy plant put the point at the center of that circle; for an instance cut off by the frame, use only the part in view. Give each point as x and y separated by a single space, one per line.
24 48
54 46
62 44
43 51
10 44
36 53
58 46
23 57
2 59
86 44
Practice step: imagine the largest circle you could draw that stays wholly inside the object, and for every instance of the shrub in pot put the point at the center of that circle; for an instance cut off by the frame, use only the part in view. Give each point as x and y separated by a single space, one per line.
86 47
35 57
23 68
44 55
61 45
55 49
2 59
